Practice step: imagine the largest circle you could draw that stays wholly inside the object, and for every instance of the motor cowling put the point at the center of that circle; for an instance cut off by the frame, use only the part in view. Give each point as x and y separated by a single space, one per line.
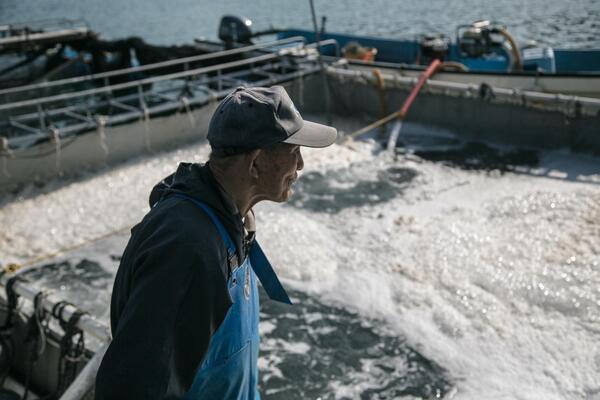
433 46
480 38
234 29
486 39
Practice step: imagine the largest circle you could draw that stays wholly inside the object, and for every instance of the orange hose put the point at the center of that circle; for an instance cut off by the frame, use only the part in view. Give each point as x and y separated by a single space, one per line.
400 114
431 69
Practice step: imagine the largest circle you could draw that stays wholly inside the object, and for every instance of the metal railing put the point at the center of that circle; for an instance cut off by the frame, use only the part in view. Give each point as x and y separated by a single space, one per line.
568 104
201 86
8 29
25 33
184 62
86 323
58 116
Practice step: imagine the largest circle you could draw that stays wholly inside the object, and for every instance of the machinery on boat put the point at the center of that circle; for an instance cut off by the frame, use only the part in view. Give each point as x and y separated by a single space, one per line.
482 53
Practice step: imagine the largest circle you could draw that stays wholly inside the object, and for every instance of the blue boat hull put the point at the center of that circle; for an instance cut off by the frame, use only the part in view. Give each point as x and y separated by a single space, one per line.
566 71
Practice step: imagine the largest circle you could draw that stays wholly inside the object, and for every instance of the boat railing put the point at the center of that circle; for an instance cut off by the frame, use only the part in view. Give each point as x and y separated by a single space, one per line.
64 312
567 104
25 289
139 83
50 24
23 35
58 116
185 63
151 80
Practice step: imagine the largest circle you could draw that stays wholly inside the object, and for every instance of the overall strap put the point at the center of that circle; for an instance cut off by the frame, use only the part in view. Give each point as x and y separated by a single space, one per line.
259 262
267 276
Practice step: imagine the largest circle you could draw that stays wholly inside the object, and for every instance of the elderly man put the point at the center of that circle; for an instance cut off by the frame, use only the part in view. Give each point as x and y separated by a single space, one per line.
184 310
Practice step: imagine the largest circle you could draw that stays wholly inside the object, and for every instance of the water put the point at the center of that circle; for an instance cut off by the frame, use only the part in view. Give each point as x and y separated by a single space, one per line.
414 278
549 22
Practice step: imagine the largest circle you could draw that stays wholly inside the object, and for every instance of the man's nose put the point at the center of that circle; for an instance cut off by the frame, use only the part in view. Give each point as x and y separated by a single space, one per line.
300 163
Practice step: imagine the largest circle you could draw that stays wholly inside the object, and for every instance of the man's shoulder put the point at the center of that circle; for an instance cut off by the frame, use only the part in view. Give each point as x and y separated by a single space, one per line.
178 228
181 218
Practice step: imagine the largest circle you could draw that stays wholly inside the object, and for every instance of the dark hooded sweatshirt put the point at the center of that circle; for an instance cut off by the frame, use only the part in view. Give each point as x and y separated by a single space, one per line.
170 292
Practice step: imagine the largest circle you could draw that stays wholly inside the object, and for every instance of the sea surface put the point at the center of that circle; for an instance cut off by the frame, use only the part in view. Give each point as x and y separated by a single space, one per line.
574 23
463 272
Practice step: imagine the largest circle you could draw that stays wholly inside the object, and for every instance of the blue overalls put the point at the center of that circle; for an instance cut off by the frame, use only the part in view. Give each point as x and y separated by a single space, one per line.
229 370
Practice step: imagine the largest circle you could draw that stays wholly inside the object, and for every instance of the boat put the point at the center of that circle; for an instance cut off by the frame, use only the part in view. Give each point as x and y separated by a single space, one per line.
34 53
37 50
61 134
59 127
482 53
471 112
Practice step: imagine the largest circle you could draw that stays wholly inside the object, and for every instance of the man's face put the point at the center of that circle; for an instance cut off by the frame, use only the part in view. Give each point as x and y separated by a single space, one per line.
279 168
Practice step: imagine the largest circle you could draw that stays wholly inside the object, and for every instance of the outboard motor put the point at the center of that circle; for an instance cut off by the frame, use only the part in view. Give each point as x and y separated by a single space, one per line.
433 46
234 30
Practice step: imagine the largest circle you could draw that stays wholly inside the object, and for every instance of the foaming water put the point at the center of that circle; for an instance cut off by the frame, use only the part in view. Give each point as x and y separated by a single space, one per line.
496 276
490 277
314 350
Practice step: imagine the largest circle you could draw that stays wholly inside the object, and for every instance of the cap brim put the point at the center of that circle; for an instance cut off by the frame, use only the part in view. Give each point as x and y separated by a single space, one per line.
313 135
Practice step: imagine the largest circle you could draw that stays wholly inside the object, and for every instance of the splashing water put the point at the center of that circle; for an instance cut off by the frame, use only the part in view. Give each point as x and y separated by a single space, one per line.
490 275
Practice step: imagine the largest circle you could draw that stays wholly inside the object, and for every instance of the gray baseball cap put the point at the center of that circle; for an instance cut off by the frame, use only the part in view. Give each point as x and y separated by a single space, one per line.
257 117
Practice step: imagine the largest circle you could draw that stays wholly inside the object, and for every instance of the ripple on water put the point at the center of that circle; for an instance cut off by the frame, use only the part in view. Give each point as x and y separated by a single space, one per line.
74 280
335 190
312 350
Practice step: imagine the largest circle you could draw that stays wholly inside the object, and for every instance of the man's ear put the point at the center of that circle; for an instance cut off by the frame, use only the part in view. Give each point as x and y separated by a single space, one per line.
254 167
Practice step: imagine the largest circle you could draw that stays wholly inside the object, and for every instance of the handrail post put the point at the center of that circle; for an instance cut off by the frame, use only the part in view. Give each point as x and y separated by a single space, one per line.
41 117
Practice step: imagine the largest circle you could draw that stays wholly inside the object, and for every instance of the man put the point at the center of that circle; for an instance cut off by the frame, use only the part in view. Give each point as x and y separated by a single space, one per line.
184 310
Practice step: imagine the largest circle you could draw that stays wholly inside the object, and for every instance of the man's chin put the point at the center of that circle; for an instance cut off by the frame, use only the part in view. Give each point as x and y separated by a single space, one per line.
285 196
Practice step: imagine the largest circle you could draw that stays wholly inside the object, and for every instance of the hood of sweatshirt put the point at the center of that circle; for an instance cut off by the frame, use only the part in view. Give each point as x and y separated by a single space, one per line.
197 180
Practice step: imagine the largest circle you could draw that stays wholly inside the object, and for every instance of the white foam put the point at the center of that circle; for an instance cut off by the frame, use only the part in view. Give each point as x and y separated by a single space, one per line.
495 277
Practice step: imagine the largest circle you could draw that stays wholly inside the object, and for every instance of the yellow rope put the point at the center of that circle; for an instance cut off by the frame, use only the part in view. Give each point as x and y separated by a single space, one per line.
380 84
13 267
397 114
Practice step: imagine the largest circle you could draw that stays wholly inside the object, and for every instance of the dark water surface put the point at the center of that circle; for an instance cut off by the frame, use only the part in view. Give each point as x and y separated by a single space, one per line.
551 22
336 350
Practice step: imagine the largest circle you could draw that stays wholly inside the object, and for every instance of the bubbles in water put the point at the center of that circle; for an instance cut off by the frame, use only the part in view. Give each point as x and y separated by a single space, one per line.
355 186
312 350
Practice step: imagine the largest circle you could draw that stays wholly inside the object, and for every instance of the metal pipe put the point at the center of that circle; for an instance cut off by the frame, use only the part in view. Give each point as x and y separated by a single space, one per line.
177 75
196 85
590 105
126 85
86 379
32 37
24 140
